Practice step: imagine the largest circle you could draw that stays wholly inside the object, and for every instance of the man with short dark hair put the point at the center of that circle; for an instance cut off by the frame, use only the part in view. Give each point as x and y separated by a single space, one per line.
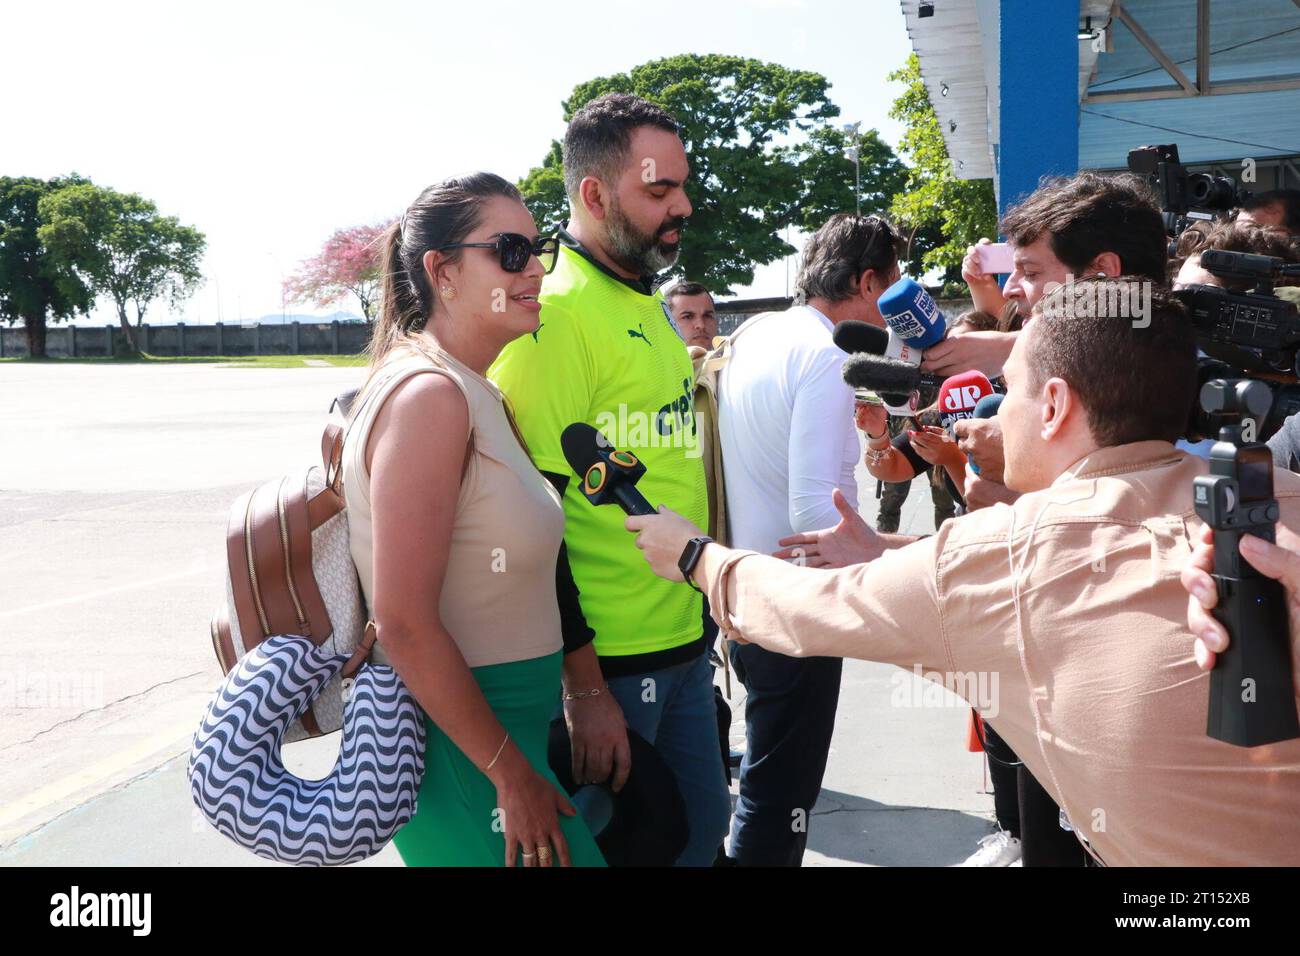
785 418
1076 226
693 312
1070 227
605 354
1070 598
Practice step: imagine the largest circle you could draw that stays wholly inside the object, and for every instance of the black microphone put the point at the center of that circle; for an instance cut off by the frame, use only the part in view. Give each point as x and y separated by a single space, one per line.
853 336
885 375
608 475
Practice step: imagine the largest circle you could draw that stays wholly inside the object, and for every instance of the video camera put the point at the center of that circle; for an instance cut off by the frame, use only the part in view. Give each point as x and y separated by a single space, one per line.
1252 332
1184 197
1252 695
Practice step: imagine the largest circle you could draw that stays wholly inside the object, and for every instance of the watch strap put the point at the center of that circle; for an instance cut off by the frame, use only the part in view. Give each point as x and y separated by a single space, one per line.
691 557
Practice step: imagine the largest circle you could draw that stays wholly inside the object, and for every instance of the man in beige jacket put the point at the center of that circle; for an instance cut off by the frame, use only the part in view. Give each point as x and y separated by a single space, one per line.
1068 601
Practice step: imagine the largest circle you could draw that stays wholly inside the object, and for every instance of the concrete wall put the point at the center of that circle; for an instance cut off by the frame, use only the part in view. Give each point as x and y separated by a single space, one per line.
295 338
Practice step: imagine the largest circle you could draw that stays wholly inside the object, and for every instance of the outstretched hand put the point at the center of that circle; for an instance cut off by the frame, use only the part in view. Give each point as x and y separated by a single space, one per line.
852 541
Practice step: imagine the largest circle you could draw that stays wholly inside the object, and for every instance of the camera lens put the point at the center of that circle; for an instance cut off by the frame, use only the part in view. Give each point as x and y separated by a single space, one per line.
1211 192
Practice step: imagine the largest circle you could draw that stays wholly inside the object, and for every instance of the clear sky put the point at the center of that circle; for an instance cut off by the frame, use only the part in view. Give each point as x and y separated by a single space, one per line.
268 125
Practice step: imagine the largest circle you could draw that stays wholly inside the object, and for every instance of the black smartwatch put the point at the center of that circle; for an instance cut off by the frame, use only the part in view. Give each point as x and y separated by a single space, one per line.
691 557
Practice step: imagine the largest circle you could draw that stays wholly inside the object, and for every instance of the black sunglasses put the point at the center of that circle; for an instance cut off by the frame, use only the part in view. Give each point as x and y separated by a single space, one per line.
515 250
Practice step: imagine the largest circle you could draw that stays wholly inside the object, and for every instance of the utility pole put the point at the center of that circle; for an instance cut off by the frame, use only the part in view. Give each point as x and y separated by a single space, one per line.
853 153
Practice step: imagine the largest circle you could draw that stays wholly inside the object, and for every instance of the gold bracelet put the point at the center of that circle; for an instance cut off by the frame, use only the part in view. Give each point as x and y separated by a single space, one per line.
582 694
500 750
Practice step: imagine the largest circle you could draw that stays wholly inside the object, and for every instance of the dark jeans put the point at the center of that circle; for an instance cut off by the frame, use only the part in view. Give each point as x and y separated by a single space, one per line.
674 710
1027 811
789 716
1006 798
1043 842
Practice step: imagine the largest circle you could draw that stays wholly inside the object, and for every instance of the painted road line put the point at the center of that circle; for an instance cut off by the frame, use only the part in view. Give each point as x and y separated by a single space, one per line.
105 592
173 742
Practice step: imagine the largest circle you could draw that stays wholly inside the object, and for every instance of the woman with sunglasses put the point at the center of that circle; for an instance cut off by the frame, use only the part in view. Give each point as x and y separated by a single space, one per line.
455 533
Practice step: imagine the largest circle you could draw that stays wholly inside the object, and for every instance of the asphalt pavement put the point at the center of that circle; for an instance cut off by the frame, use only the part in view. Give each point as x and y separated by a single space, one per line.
115 485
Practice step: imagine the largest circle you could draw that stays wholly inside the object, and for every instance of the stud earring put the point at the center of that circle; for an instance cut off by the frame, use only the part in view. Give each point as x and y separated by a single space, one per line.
449 292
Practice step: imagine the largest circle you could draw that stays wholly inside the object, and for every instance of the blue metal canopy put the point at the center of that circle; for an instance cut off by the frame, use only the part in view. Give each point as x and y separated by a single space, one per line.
1220 78
1234 90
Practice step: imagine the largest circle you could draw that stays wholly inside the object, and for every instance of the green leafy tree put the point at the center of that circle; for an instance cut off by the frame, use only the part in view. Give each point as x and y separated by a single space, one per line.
34 287
120 247
543 190
827 169
945 213
829 179
738 118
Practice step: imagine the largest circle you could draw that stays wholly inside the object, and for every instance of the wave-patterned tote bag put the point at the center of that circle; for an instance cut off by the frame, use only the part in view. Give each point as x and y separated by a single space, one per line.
241 786
293 640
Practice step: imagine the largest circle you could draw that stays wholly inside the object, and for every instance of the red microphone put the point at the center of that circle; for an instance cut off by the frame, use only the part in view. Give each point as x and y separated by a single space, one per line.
959 394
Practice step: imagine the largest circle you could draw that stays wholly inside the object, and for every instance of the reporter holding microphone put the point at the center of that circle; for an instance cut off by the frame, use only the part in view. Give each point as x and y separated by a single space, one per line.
1071 595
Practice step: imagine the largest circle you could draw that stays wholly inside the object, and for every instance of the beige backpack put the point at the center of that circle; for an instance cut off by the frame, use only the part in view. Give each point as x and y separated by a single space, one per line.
289 570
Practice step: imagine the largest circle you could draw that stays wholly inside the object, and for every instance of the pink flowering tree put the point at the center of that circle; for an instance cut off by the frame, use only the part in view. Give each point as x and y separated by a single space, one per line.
348 264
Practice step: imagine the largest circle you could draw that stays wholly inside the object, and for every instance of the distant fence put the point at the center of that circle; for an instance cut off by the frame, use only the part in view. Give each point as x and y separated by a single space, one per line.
291 338
294 338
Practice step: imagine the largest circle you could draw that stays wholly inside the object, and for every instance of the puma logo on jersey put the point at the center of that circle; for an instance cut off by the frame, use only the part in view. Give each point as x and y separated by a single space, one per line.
639 335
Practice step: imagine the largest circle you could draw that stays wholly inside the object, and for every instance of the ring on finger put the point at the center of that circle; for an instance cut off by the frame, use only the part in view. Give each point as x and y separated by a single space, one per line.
543 852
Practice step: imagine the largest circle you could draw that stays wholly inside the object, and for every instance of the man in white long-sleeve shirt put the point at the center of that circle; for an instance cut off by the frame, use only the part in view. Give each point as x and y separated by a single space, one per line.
785 419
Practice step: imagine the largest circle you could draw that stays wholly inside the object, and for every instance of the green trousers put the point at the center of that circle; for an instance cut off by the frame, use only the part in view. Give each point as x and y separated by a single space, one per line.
456 822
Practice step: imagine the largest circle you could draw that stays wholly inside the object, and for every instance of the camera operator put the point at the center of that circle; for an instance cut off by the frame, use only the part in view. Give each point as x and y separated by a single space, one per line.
1185 270
1241 236
1085 626
1231 236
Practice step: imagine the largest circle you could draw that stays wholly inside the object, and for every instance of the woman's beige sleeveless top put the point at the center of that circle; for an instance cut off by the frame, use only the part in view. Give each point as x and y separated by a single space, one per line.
498 595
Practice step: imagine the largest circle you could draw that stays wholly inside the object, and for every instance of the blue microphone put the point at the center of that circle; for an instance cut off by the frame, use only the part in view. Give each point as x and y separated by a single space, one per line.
986 407
912 313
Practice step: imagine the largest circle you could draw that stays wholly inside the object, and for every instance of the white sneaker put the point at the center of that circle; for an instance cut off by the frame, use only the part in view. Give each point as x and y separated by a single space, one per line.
996 849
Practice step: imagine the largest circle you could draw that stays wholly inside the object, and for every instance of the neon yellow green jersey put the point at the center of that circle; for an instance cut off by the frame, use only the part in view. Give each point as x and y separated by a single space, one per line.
605 353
